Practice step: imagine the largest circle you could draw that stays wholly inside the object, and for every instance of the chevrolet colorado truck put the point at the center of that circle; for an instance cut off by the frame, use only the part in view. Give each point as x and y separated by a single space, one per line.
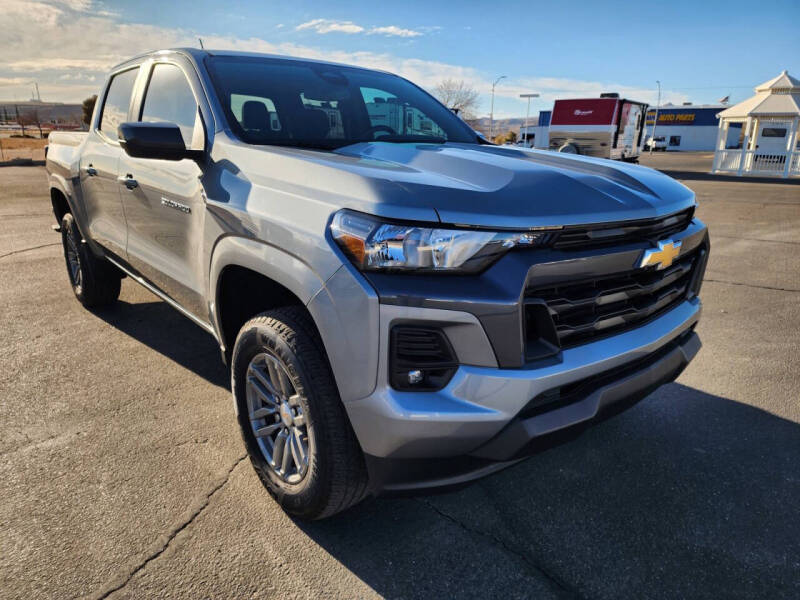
401 304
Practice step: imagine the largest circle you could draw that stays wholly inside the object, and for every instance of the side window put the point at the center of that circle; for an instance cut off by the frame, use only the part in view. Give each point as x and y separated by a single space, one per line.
169 99
386 109
118 99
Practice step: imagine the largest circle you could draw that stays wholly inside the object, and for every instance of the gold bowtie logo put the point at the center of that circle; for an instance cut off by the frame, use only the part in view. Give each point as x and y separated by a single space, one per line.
663 256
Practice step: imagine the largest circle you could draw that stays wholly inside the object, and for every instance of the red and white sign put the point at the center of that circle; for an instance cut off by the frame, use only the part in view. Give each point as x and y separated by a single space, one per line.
588 111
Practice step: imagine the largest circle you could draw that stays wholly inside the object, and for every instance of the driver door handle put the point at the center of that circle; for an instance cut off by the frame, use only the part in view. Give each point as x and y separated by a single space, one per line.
128 181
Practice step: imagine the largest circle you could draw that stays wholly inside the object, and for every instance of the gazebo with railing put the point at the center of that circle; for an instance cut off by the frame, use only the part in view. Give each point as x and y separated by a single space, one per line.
770 143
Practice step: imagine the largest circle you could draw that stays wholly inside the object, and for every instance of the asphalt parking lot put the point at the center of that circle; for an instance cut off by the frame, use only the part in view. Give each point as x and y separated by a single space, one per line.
123 474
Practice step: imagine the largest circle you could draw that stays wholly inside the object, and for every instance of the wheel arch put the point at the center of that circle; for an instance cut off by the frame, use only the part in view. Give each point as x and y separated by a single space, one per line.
271 276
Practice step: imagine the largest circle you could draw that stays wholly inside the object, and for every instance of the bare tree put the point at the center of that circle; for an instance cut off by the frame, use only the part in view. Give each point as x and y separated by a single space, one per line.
21 120
458 96
35 120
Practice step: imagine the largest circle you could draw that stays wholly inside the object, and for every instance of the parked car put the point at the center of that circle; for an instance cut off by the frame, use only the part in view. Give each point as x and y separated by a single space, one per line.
401 306
656 143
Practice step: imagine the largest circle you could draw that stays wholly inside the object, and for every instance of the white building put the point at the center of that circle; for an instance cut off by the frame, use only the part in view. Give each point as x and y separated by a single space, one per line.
691 127
771 121
537 133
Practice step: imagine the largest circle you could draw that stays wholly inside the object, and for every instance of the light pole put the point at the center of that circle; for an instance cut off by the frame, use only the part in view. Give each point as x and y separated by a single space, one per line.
491 113
527 114
655 120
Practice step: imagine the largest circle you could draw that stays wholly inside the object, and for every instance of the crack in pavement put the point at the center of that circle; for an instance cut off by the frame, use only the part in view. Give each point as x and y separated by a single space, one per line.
29 249
163 542
752 285
749 239
562 588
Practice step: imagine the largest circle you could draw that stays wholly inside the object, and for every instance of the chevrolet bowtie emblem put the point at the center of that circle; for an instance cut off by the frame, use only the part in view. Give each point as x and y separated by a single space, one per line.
662 256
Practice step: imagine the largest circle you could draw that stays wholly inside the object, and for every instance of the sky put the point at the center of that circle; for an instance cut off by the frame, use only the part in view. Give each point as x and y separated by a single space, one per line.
701 51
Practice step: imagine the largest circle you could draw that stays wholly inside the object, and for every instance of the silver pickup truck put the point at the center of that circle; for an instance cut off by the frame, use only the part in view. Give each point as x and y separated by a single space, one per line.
401 304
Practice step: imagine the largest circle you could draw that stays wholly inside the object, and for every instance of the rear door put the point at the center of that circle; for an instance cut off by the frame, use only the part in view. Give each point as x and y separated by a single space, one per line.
163 199
99 163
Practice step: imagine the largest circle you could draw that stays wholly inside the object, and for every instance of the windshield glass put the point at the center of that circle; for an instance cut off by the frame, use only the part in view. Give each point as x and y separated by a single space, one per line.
312 105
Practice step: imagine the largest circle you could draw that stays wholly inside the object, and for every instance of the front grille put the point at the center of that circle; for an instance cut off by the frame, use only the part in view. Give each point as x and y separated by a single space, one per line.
586 310
594 236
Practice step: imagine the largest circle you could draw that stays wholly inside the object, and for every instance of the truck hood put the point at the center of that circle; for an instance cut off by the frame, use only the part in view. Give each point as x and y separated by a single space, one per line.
495 186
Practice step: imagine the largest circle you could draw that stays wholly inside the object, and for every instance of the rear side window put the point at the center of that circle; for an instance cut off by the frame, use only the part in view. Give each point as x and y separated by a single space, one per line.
169 99
118 100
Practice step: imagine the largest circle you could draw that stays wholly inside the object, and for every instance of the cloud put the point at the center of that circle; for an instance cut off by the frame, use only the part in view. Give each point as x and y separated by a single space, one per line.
63 49
329 26
395 31
552 88
14 81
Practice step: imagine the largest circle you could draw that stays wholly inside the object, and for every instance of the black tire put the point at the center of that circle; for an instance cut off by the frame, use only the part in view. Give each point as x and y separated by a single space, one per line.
95 281
336 476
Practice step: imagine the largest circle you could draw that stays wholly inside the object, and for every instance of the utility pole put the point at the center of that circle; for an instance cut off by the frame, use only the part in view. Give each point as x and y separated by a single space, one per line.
527 115
655 120
491 113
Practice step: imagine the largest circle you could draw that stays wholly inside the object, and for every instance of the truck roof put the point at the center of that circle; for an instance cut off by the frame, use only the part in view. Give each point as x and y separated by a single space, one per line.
199 54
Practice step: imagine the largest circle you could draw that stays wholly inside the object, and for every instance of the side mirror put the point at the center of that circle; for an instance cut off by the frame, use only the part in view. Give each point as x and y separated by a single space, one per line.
154 140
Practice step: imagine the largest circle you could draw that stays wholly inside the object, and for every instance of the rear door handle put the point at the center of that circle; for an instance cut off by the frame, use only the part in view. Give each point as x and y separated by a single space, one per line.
128 181
91 171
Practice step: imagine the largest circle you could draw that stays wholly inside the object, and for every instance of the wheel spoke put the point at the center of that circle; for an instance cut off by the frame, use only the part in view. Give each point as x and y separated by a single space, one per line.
286 384
297 435
268 429
264 379
262 412
286 455
262 392
280 449
274 377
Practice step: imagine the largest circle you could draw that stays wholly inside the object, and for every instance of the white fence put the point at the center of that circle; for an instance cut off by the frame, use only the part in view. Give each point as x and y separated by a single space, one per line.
757 163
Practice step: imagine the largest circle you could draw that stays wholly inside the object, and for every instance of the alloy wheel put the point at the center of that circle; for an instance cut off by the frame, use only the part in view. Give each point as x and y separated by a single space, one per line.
277 417
73 261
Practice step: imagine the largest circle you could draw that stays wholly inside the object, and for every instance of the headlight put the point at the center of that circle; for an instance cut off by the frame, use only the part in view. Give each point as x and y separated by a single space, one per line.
372 244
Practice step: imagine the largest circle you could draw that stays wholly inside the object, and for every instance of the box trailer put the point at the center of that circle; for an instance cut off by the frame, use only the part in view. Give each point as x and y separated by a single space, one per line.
607 127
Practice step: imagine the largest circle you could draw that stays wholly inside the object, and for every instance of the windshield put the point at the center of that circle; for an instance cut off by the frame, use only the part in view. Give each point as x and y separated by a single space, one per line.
311 105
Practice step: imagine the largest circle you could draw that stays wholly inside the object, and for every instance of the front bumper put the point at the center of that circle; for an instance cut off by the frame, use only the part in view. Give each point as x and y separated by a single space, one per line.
472 427
498 406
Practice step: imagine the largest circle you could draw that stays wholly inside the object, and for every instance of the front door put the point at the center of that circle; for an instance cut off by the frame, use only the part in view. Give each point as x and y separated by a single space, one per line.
772 137
164 201
99 164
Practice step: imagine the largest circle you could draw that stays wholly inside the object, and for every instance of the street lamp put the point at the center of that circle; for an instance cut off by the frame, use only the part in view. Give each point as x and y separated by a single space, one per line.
527 114
491 113
655 120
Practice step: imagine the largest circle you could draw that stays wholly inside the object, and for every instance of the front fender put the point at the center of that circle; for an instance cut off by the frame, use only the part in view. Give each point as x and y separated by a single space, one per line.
344 308
286 269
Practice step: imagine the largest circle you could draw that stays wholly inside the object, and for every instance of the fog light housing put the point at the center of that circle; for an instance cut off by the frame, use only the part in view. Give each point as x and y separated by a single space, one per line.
420 358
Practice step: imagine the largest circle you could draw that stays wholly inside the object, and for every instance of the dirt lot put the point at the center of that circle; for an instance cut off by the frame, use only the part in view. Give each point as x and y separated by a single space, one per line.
123 473
12 148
